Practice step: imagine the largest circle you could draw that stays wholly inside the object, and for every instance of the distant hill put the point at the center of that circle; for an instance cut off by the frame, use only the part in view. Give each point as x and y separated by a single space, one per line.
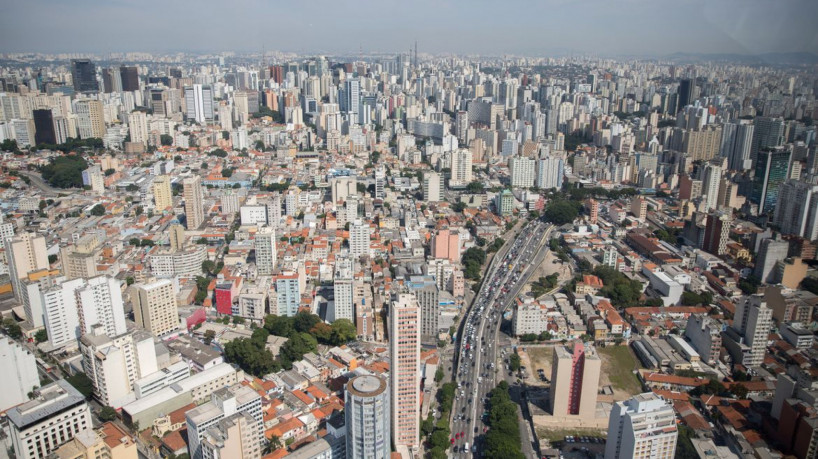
802 58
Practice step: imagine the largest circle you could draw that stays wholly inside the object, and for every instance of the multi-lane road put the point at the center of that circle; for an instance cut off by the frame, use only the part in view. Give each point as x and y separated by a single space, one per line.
477 364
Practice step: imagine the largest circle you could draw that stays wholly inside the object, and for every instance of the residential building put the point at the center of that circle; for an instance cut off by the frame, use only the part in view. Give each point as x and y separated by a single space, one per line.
404 371
266 250
343 306
432 187
194 202
704 334
359 234
224 404
288 293
237 435
25 253
461 174
428 297
523 171
575 381
643 426
162 194
154 306
746 340
21 373
367 412
100 303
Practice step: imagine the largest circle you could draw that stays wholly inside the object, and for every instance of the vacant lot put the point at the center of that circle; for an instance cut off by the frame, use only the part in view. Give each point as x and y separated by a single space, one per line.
540 357
618 364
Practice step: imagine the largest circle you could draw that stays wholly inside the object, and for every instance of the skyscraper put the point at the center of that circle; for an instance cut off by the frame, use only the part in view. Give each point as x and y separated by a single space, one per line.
84 75
522 171
366 411
770 252
44 127
100 303
575 381
25 253
404 371
199 103
162 195
736 143
138 127
111 81
428 297
380 181
711 178
344 305
550 172
767 133
194 205
797 210
288 293
432 187
154 307
359 233
753 321
461 174
130 78
771 171
643 426
686 88
350 99
90 118
265 242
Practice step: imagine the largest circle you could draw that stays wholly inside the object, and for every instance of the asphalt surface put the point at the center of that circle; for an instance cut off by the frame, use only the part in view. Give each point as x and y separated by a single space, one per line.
46 189
477 365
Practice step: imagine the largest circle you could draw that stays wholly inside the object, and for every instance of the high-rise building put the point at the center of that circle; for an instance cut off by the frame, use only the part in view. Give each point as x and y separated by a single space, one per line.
93 178
704 334
523 171
767 133
56 414
703 144
797 210
266 250
90 118
288 293
711 179
343 284
111 81
575 381
770 252
359 233
154 307
20 371
736 143
404 371
686 89
100 303
380 181
550 172
461 174
225 404
350 99
84 75
129 76
44 127
343 187
24 253
504 203
162 194
199 103
194 202
176 236
138 127
234 436
717 232
428 297
643 426
771 171
432 187
366 411
753 321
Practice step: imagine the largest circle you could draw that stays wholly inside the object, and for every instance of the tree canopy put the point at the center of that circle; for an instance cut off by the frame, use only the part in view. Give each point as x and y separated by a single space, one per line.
64 171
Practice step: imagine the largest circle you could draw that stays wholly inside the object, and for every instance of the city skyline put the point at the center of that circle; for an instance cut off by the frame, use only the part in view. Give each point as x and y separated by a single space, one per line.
640 27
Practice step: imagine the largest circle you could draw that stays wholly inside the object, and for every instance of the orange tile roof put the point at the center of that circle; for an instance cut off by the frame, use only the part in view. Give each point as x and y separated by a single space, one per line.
283 427
277 454
174 441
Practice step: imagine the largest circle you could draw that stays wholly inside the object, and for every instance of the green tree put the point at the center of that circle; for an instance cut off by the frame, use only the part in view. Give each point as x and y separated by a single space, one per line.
208 266
514 362
98 210
64 171
166 140
41 336
82 383
279 325
107 413
343 331
209 336
12 329
561 212
52 259
304 321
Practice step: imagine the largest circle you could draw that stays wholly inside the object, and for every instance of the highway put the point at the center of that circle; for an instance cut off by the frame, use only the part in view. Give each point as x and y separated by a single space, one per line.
477 360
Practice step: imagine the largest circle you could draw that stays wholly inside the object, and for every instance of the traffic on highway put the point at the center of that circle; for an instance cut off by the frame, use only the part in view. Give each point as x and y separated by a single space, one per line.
475 368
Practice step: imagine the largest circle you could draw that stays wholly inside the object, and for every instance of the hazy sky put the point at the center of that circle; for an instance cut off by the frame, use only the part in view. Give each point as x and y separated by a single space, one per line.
527 27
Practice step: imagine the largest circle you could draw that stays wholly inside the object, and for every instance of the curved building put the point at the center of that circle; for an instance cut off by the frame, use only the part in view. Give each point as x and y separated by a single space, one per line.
367 418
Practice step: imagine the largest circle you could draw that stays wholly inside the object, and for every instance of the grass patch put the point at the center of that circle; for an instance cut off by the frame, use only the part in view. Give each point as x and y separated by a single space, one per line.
554 435
618 362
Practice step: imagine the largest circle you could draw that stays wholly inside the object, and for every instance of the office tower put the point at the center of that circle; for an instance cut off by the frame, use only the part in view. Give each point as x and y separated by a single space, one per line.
771 171
288 293
154 307
23 132
522 171
100 303
114 363
797 210
770 252
90 119
711 178
111 81
461 173
176 236
504 203
753 321
44 127
575 381
366 412
343 187
359 233
432 187
62 129
56 414
343 307
234 436
92 177
380 181
199 103
686 88
717 232
129 76
404 371
428 297
643 426
550 172
84 75
162 194
24 253
266 250
736 145
767 133
194 205
138 127
350 99
225 403
20 373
